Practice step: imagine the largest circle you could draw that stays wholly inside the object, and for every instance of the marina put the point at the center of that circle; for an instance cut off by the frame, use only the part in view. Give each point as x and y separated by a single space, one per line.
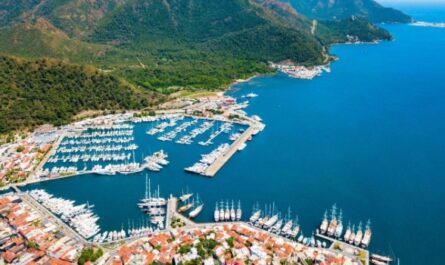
325 142
114 149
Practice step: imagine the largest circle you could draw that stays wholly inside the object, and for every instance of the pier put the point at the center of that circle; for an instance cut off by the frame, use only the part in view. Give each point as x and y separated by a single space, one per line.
219 163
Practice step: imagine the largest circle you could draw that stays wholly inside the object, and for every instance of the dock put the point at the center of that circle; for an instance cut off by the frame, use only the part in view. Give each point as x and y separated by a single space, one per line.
345 245
46 214
219 163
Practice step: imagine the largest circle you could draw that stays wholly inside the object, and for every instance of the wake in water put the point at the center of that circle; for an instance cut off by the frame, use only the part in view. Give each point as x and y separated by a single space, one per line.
428 24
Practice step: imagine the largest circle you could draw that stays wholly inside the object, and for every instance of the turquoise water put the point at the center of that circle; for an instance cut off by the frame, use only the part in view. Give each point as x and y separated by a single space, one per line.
369 136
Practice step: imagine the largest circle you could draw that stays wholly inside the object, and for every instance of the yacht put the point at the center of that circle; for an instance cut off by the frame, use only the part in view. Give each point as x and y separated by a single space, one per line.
367 236
216 213
232 213
196 211
324 223
239 212
359 235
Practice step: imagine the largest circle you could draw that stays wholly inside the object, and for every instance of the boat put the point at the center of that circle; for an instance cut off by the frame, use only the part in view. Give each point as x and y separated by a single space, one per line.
271 221
148 200
324 223
347 233
227 212
186 207
339 228
333 222
381 258
185 197
367 236
378 262
239 212
232 213
352 235
255 216
300 238
221 211
276 228
242 146
216 213
295 230
359 235
196 211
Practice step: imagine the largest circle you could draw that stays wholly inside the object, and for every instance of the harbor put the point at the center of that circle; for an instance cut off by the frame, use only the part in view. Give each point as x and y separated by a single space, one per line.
113 148
323 144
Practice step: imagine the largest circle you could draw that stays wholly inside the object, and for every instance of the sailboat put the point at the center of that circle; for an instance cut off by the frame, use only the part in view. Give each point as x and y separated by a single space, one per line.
239 212
196 211
216 213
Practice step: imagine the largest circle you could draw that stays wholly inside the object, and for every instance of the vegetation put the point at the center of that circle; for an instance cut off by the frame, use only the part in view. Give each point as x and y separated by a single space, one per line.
205 247
338 31
230 242
184 249
341 9
147 49
48 91
89 254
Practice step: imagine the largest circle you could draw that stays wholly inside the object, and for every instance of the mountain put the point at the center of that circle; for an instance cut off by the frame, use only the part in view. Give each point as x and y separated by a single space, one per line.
343 9
149 47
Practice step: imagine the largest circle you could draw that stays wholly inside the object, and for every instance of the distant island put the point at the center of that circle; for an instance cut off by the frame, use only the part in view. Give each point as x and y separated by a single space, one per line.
60 59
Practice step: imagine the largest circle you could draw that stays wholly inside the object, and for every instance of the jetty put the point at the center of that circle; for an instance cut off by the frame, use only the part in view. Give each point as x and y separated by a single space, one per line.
234 147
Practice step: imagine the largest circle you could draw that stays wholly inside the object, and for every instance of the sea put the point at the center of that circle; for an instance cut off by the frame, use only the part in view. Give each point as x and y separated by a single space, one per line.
369 137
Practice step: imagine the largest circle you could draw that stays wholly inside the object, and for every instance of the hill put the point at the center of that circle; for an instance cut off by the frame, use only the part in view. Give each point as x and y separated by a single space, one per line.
48 91
156 46
342 9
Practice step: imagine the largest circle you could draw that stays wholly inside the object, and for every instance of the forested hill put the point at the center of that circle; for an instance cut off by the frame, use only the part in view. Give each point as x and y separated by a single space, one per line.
342 9
48 91
157 47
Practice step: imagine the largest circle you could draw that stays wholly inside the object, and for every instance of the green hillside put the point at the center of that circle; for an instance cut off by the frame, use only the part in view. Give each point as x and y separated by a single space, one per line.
47 91
342 9
156 46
